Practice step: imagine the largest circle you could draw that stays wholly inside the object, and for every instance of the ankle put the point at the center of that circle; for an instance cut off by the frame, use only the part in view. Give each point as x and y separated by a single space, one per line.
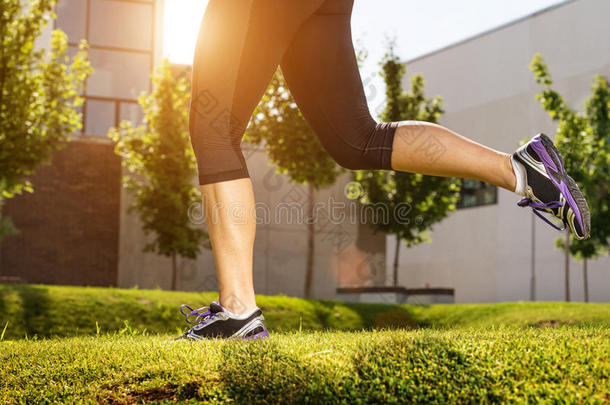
510 177
237 305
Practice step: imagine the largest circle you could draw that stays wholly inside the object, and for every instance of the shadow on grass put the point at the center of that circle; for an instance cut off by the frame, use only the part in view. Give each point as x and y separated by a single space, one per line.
392 369
35 302
169 394
26 308
383 316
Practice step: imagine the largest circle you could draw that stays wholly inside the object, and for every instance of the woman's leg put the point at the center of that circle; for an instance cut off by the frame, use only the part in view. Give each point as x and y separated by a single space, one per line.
231 222
426 148
331 97
239 46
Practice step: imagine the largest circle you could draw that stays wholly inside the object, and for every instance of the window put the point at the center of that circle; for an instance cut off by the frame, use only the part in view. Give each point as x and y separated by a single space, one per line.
72 19
118 74
475 193
121 35
100 117
121 24
132 112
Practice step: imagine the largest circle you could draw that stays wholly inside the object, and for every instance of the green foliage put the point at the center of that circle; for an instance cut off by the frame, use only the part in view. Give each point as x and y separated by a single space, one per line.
429 198
289 141
161 166
39 94
583 138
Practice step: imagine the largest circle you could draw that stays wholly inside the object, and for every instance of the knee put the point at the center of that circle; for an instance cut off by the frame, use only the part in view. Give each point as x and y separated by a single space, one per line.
349 157
365 148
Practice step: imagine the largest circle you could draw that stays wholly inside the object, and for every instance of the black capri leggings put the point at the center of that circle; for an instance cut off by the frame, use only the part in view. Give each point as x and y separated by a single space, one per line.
241 43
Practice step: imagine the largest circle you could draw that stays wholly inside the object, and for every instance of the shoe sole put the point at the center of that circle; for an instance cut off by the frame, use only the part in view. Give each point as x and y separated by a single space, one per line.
572 188
261 335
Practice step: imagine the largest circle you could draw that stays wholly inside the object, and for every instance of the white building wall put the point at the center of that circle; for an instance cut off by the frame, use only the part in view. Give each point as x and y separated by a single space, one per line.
485 252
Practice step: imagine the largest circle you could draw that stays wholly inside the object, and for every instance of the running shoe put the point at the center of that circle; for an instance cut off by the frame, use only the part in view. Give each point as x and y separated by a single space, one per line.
550 189
217 322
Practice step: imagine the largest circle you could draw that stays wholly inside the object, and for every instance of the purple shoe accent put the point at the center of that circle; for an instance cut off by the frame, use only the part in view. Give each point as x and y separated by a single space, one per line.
198 313
526 201
563 187
537 205
261 335
543 154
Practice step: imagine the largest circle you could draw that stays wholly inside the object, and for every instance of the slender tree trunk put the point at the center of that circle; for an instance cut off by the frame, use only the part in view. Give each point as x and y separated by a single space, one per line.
396 253
586 280
310 242
567 266
174 271
533 264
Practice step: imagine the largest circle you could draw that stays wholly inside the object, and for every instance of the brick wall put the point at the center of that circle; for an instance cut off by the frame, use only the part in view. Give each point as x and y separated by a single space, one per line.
69 227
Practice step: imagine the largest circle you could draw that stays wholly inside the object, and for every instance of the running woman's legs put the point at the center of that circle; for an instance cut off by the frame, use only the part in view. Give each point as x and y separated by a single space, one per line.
331 97
239 47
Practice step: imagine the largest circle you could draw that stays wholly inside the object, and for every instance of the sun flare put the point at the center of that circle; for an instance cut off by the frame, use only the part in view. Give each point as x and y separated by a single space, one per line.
181 20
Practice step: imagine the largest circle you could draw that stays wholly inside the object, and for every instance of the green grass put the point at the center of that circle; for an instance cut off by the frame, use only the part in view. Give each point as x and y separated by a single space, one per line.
552 365
511 313
60 311
487 353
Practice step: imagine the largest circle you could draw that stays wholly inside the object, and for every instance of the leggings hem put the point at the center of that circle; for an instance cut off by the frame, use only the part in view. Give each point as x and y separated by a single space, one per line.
223 176
388 145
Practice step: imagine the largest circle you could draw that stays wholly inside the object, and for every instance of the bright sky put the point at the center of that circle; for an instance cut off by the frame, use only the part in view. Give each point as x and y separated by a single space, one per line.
418 26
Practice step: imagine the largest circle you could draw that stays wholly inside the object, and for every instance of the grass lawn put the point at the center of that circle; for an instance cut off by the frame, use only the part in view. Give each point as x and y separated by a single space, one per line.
494 353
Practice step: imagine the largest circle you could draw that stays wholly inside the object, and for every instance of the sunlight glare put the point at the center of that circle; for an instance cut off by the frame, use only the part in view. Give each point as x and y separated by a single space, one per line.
181 19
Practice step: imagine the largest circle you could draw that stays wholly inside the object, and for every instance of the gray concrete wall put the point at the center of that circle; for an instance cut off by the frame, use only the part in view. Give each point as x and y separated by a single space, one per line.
485 252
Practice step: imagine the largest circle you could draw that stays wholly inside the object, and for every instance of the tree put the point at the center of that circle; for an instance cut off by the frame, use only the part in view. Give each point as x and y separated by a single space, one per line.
39 95
295 150
161 165
414 201
583 138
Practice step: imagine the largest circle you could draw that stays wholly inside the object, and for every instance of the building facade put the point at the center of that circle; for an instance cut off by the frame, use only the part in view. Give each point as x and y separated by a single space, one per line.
494 252
75 228
70 227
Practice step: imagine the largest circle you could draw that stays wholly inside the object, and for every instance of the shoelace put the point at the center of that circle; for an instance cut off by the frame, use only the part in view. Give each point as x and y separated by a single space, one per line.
540 206
197 313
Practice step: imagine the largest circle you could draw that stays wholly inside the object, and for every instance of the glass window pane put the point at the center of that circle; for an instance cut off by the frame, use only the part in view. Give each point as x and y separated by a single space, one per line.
100 117
121 24
475 193
71 18
132 112
118 74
